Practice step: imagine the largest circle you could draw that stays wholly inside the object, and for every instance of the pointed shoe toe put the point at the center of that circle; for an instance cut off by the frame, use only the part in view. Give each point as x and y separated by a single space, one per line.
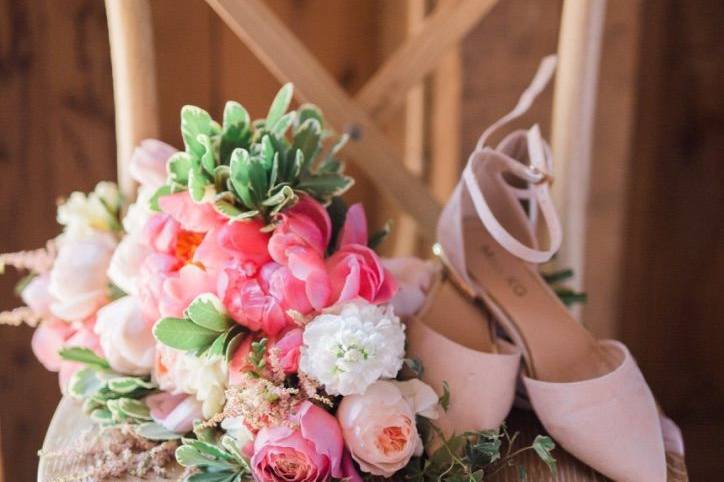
481 384
610 422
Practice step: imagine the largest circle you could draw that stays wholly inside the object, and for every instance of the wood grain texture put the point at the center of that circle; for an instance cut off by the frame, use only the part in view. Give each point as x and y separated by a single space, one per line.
56 119
671 304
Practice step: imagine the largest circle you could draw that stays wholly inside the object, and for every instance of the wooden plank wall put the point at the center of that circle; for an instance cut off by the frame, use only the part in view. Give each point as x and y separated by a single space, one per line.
56 135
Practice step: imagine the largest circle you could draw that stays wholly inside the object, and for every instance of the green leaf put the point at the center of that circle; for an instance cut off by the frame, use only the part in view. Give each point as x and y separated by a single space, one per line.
258 350
308 140
557 276
258 182
280 128
85 356
208 449
160 192
101 416
197 184
240 178
154 431
127 385
84 383
194 122
179 165
415 365
233 344
235 131
325 186
207 310
134 408
307 112
444 400
543 446
280 104
183 334
23 283
208 159
220 476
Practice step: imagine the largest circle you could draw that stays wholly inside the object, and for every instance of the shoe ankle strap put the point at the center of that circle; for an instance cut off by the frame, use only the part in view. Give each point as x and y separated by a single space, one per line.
468 198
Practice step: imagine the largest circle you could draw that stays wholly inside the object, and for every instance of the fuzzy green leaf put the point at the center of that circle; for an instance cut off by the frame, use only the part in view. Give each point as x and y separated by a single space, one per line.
84 383
197 184
183 334
280 104
444 400
134 408
308 139
220 476
325 186
279 129
85 356
127 385
160 192
101 416
240 178
206 310
208 159
179 165
194 122
154 431
309 111
235 132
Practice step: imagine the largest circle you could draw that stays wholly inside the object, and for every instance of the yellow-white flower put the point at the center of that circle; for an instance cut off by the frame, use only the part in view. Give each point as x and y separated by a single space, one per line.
83 214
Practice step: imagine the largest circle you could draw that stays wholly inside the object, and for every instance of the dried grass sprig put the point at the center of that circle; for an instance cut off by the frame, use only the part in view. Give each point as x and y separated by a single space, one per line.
37 260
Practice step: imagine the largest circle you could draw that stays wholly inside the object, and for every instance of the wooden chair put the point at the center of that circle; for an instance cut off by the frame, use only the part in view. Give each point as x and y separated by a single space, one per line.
131 40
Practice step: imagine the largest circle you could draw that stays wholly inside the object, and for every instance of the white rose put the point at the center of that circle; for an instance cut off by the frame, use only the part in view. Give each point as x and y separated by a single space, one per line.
204 377
126 339
78 280
414 278
352 346
126 262
83 215
379 427
139 212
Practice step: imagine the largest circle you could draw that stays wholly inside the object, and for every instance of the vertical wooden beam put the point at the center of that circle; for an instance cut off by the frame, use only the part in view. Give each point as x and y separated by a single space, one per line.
579 47
445 124
134 80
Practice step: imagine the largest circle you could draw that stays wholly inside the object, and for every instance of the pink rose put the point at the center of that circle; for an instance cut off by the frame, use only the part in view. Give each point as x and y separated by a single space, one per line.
313 451
175 412
379 426
355 271
48 339
195 217
287 350
148 162
242 243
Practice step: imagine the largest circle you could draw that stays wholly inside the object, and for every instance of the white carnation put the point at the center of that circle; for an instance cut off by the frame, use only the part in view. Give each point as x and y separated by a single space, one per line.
352 346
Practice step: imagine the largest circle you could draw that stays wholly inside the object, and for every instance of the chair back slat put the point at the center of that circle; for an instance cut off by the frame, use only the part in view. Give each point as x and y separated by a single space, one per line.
134 81
574 102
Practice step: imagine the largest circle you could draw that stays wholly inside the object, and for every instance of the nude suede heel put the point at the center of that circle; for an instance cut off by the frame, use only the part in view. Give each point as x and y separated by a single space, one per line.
589 394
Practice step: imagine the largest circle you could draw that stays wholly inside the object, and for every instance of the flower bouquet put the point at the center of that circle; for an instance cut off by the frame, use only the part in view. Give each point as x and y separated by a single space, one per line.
236 319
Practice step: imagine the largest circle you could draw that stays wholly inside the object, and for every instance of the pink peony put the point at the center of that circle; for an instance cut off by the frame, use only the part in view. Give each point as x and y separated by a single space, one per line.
242 243
161 233
155 269
288 350
195 217
249 301
305 226
48 339
148 162
313 451
355 271
180 289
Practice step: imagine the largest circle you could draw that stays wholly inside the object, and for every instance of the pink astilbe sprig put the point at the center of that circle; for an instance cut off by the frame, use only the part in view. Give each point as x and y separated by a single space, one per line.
114 452
19 316
37 260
